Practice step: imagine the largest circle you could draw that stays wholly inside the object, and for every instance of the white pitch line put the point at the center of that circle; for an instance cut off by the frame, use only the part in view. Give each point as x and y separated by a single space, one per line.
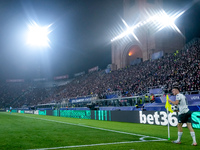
141 139
100 144
94 127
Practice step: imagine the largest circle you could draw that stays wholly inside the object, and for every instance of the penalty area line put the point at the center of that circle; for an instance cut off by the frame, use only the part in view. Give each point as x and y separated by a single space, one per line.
100 144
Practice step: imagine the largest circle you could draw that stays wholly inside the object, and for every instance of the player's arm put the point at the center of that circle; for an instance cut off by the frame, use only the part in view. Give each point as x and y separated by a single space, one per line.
174 102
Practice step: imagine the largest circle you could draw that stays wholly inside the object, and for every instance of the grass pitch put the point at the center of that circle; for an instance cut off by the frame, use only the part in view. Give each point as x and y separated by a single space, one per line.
27 131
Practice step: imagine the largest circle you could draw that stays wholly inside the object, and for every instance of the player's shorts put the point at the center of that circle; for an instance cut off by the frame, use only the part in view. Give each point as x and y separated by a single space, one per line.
185 118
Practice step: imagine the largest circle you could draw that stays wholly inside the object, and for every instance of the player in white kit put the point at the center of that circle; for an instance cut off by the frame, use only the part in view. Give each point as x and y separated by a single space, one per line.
184 115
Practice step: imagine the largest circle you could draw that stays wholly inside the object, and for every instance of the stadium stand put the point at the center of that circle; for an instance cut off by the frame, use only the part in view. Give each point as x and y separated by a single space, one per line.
181 67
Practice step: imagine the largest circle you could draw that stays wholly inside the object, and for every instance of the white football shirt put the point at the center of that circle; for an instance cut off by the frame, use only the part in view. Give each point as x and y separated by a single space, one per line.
183 107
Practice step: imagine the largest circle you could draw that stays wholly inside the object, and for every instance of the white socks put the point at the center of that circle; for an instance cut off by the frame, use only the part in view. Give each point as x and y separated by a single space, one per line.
179 136
193 136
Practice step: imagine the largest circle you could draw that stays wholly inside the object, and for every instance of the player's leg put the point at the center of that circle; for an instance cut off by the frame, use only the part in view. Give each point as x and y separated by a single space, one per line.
189 125
180 132
180 129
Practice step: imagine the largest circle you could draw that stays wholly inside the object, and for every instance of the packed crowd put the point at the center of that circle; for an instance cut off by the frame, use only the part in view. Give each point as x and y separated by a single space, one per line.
10 92
181 67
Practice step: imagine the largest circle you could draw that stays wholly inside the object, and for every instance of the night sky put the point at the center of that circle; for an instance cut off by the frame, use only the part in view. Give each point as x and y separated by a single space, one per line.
80 37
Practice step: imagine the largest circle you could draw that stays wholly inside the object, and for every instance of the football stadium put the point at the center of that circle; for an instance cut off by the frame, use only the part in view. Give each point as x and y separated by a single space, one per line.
99 75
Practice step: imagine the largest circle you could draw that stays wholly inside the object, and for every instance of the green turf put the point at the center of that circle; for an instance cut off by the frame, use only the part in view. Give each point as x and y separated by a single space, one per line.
17 131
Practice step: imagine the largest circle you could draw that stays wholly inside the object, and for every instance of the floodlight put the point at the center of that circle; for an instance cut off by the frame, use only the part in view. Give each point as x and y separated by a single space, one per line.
161 19
165 20
130 30
38 36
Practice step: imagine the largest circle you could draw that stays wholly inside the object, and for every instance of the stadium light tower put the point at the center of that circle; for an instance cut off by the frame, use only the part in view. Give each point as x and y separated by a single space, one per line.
38 35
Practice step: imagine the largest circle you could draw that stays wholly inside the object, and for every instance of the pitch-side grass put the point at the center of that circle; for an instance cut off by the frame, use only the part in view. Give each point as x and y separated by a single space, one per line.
24 131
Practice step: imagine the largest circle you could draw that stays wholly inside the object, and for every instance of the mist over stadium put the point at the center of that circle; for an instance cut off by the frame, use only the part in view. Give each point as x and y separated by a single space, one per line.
98 60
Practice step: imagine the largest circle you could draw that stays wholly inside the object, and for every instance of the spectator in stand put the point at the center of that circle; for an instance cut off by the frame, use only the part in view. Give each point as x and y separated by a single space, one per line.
152 98
183 68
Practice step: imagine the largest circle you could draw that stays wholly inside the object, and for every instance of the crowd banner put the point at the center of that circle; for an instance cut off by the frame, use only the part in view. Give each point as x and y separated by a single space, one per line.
83 99
61 77
40 79
156 91
93 69
108 70
157 55
79 74
15 80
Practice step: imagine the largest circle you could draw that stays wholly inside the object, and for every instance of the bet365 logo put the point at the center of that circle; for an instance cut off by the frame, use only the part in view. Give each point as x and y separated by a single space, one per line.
196 120
158 118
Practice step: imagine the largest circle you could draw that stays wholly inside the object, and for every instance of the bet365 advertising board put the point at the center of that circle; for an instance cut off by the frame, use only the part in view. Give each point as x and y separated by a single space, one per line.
144 117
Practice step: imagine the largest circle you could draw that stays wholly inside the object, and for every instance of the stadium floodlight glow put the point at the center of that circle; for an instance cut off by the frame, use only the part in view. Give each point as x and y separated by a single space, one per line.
130 30
38 36
165 20
160 19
